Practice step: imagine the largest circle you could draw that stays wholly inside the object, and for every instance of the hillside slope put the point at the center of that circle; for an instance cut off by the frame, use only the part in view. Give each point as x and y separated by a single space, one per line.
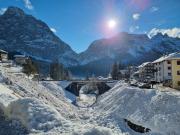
25 34
157 110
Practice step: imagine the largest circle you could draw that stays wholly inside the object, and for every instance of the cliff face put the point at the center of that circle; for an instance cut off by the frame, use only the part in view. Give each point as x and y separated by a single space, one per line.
25 34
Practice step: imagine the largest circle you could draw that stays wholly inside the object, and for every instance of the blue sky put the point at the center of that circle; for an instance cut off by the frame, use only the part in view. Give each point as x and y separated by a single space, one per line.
79 22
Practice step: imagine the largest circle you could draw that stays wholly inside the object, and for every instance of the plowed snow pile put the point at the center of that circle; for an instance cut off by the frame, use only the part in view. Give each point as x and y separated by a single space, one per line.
35 115
158 111
43 108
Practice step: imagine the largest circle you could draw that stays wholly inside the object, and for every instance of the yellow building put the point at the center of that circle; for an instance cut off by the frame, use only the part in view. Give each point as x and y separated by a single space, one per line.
176 72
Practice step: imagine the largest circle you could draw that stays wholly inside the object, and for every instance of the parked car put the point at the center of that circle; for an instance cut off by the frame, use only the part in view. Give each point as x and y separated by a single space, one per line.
167 83
145 86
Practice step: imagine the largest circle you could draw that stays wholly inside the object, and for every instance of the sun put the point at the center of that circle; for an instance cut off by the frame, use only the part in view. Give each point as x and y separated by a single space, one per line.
111 24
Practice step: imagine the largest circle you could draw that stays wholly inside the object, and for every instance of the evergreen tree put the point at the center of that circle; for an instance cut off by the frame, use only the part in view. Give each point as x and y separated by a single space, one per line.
115 71
56 70
120 67
30 67
67 75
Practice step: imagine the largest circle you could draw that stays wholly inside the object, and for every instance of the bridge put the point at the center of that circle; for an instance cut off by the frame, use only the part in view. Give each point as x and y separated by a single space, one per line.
75 86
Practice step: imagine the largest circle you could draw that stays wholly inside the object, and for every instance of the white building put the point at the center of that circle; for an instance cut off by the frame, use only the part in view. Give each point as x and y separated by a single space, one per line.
3 55
20 59
163 67
146 71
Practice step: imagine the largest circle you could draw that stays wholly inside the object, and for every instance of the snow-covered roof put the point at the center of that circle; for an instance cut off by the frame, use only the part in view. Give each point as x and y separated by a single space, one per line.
2 51
143 64
137 72
21 56
168 57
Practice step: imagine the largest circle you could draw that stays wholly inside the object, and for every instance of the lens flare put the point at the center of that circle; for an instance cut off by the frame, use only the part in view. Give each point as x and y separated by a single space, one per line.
112 24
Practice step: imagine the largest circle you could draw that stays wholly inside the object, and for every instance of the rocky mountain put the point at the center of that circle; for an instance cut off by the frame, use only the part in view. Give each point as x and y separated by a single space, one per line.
22 33
129 49
25 34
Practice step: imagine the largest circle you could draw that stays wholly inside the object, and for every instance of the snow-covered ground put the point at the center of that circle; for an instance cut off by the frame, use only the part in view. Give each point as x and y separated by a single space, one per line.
153 109
46 108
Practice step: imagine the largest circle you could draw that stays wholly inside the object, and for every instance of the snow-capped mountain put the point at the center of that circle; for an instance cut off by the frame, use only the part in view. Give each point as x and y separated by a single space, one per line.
23 33
127 49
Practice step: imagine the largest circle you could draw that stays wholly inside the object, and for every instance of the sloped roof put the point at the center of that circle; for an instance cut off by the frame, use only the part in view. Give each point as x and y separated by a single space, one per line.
168 57
143 64
21 56
2 51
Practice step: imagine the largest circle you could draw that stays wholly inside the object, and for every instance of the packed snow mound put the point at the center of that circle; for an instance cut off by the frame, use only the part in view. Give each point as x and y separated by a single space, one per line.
98 131
6 97
90 88
158 111
54 88
34 114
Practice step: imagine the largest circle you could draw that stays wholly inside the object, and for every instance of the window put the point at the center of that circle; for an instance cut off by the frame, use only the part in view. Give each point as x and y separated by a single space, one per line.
168 62
178 72
169 74
178 83
169 68
159 68
178 62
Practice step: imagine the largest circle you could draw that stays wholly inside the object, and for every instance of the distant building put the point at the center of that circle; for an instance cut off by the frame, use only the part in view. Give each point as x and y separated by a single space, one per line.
168 69
128 72
20 59
146 71
3 55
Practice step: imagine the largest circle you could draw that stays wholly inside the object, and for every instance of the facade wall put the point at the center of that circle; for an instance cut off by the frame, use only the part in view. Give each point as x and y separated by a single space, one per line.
176 76
167 71
163 71
20 60
4 57
159 73
146 71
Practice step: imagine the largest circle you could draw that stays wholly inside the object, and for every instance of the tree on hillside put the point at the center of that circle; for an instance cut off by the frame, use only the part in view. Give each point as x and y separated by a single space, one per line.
115 71
30 67
67 74
58 72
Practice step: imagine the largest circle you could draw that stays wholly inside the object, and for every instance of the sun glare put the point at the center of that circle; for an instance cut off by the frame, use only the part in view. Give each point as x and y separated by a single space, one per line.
112 24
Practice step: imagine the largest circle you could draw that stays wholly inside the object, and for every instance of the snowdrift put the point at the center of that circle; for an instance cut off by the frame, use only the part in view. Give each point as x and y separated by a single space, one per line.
34 114
159 111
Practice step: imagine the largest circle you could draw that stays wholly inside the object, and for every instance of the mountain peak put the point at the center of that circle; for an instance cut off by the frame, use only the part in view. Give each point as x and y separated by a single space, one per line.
14 11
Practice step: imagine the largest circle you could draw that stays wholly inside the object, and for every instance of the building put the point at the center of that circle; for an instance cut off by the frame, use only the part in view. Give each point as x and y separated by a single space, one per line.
20 59
3 55
146 71
168 69
163 69
176 72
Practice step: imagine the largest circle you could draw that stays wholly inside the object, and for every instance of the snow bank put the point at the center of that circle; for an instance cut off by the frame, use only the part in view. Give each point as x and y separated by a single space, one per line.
64 84
6 97
34 115
97 131
54 88
159 111
59 90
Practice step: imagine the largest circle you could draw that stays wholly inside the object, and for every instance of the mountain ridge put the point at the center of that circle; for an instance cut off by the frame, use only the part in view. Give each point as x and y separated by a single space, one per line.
24 33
